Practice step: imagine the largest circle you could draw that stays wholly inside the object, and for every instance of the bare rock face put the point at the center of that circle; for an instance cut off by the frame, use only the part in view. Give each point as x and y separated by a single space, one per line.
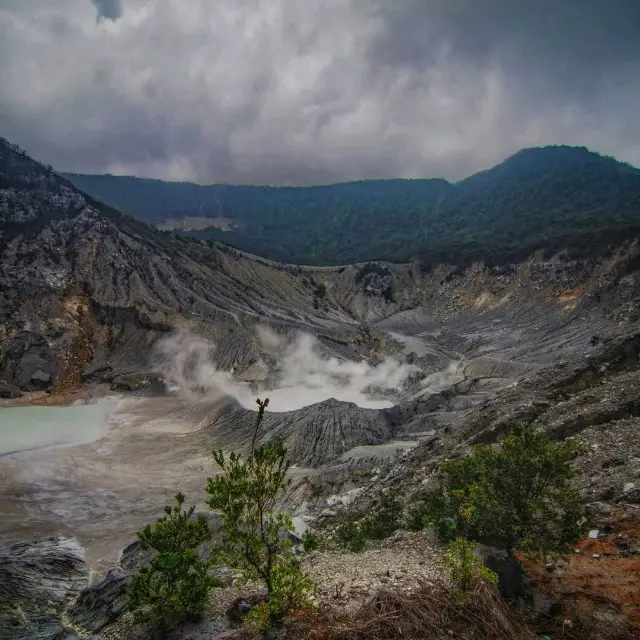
314 435
102 603
85 292
9 392
37 579
31 363
511 577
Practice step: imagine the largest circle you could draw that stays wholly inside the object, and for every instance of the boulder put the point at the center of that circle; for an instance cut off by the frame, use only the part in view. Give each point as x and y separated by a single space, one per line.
101 603
9 392
133 556
240 607
32 625
37 580
631 494
511 577
147 384
31 364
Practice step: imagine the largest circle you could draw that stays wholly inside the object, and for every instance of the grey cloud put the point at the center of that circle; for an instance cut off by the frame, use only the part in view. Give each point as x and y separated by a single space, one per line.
108 9
569 47
288 92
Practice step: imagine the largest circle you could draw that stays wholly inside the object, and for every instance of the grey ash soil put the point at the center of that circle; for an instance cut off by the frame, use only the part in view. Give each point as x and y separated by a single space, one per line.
85 295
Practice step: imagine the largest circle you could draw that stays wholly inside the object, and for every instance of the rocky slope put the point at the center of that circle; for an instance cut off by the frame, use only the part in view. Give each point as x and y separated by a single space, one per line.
86 291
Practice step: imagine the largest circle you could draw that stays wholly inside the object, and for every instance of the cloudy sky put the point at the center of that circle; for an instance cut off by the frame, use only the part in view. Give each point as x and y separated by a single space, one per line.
313 91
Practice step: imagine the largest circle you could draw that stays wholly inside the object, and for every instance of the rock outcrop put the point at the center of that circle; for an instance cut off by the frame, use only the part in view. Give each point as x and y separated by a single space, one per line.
37 580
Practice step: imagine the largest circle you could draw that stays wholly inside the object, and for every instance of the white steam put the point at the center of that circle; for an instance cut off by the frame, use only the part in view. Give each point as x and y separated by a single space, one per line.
304 375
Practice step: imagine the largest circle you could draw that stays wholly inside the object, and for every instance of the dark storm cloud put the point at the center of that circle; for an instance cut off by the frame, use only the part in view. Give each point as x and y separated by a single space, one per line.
568 47
109 9
296 92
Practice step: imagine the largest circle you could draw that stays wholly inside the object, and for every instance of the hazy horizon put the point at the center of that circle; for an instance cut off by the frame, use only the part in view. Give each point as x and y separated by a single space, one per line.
330 184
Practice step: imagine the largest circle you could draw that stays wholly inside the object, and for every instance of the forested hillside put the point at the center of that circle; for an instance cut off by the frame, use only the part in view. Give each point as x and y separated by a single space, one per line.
547 198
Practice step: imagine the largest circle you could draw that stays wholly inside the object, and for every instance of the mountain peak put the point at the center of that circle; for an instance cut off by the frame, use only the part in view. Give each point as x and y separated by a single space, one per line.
538 199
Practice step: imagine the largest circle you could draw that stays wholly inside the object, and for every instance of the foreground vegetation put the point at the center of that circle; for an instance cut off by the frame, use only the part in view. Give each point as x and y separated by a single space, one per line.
428 611
516 496
257 532
176 586
550 198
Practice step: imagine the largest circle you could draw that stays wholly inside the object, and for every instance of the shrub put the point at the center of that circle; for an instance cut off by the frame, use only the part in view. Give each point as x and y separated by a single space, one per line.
385 520
378 526
465 567
439 513
415 519
310 541
291 587
351 535
246 493
175 587
516 496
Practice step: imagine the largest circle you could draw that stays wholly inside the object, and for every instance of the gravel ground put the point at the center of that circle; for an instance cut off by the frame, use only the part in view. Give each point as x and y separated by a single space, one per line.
346 579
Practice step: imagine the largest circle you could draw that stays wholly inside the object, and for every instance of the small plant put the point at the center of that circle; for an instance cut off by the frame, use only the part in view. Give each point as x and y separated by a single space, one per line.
438 512
246 493
415 516
385 520
310 541
378 526
291 588
465 567
430 513
351 536
175 587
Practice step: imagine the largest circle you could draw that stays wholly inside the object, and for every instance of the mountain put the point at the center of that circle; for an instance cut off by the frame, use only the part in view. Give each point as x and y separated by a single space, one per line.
548 199
85 291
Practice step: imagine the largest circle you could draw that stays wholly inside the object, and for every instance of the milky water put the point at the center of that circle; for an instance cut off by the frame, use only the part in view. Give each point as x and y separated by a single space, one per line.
99 471
29 428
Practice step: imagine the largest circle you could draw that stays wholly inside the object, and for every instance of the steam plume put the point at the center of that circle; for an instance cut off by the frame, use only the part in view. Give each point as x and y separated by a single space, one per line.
304 375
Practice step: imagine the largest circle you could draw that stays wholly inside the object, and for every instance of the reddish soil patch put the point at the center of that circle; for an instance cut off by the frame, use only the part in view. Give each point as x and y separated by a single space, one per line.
597 589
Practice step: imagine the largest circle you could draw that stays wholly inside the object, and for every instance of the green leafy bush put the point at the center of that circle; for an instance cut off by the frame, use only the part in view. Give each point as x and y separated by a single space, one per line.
176 585
465 567
291 587
515 496
246 493
415 516
377 526
310 541
351 535
385 520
